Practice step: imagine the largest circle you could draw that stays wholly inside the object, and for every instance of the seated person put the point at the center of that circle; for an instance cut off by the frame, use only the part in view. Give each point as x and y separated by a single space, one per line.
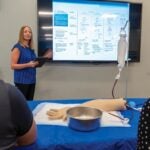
103 105
17 126
144 128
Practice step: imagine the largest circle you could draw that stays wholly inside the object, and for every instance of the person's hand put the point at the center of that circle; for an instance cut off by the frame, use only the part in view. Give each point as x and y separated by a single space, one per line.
54 114
48 54
33 63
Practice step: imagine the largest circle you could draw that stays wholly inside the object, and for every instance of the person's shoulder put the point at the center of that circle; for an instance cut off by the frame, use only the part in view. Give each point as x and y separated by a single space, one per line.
8 85
17 45
13 92
10 89
3 83
146 105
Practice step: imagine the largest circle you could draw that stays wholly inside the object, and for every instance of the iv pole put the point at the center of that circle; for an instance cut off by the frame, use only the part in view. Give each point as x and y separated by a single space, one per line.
122 51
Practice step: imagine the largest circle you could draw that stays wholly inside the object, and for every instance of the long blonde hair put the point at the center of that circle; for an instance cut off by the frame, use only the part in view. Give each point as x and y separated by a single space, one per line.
21 39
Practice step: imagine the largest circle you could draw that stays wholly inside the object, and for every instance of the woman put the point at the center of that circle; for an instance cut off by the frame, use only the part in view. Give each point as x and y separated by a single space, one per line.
23 64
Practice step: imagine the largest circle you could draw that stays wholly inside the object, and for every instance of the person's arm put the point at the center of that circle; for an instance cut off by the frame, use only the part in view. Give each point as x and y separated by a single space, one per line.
22 118
29 137
101 104
48 54
15 53
106 104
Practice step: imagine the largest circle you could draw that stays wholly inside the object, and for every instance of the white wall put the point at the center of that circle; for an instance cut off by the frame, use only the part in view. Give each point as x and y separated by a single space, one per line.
71 80
14 14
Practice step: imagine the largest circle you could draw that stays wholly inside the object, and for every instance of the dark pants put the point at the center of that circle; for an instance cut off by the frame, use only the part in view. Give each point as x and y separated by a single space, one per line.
27 90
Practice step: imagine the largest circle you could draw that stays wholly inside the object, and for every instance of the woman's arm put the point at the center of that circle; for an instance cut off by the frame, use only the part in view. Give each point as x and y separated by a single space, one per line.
14 61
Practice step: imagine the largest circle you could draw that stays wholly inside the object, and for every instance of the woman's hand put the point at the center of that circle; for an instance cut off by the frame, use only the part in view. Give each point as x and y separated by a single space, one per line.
33 63
54 114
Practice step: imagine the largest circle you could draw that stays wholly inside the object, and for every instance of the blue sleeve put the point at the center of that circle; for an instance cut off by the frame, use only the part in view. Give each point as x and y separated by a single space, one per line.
15 46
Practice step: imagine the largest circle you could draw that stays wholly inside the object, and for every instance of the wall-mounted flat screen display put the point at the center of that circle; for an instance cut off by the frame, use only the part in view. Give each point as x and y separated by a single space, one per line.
87 30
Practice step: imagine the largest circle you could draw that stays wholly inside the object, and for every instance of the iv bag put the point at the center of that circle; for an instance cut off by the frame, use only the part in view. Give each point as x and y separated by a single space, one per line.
122 49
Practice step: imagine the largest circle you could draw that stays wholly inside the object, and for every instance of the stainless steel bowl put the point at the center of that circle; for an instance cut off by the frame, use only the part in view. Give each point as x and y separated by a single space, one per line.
84 118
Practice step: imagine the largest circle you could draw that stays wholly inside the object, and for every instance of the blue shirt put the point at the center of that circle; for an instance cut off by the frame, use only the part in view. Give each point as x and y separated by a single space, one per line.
26 75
